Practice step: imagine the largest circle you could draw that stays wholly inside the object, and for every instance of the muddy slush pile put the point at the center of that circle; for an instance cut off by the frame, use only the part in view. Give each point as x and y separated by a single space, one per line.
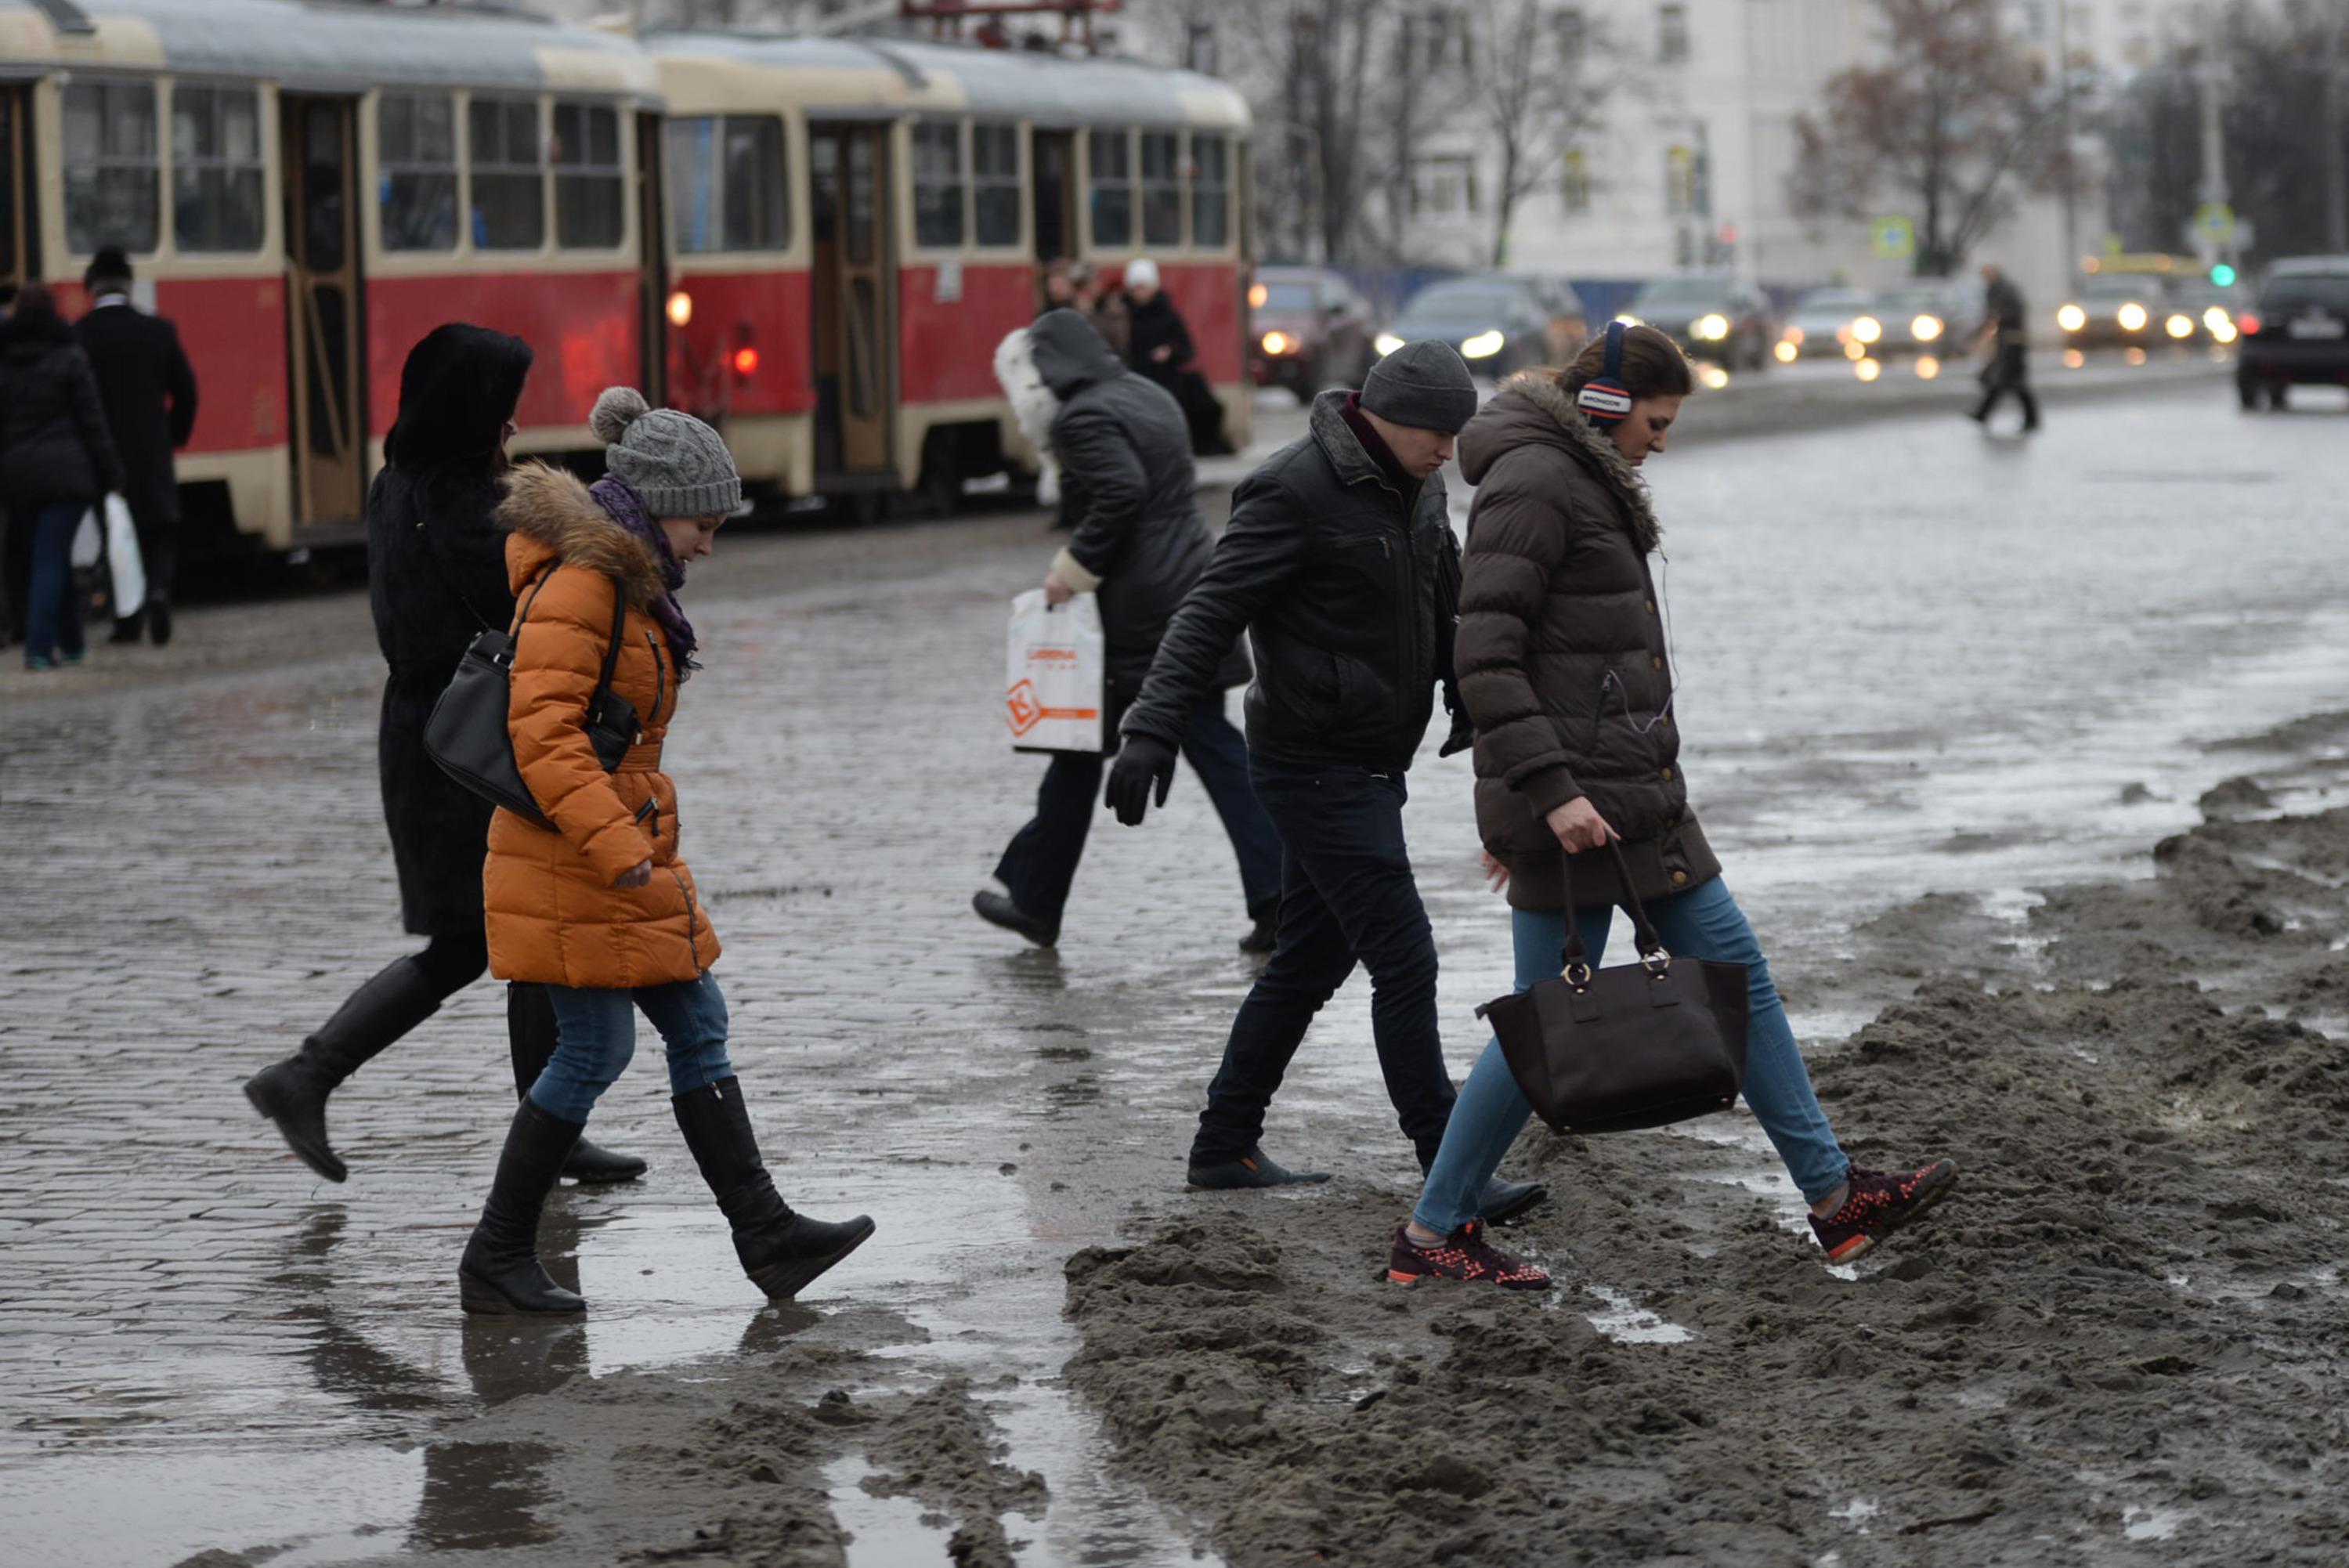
2125 1338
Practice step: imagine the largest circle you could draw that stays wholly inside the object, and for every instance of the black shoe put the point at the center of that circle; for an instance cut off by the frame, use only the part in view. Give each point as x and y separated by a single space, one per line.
293 1093
997 909
1254 1168
1505 1200
592 1165
158 621
501 1273
530 1044
1267 915
781 1251
130 628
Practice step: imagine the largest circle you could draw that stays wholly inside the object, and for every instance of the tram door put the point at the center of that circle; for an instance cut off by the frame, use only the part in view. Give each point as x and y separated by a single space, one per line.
322 307
1054 160
17 250
853 332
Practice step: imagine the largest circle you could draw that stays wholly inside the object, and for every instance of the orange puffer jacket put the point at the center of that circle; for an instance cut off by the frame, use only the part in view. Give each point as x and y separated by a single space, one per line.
554 915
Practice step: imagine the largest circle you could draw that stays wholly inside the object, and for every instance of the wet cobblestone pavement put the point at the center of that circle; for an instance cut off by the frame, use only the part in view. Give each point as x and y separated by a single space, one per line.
1913 661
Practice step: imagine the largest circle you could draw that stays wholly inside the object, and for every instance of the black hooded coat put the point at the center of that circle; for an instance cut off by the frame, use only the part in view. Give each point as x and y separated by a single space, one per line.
1158 324
55 446
436 579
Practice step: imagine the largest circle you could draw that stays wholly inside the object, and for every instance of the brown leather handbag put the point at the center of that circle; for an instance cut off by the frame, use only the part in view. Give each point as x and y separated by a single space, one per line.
1636 1045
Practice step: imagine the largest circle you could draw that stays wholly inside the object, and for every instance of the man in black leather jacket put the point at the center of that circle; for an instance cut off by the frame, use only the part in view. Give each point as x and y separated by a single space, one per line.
1340 563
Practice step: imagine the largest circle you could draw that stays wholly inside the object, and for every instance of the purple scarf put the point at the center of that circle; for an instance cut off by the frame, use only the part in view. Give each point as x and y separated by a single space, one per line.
628 509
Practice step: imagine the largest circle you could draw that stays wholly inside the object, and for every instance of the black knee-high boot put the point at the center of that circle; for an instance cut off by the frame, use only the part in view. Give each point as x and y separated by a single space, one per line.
781 1251
293 1093
500 1272
531 1041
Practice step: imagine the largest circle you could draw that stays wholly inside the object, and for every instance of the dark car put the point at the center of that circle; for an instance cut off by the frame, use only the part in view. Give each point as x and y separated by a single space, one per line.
2108 309
1821 324
1713 316
1309 329
1498 324
1935 316
2297 332
1569 323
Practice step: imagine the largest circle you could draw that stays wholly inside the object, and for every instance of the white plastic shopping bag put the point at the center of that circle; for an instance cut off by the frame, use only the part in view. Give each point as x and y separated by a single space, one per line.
89 543
122 558
1057 675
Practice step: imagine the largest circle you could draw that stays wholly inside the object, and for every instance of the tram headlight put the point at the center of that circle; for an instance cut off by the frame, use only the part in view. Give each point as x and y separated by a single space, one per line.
1787 352
1388 342
2071 318
680 308
2180 326
2131 317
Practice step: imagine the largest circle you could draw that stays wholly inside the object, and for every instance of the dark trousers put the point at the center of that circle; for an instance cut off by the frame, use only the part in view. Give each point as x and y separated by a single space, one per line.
2010 372
159 550
53 607
1346 896
1041 861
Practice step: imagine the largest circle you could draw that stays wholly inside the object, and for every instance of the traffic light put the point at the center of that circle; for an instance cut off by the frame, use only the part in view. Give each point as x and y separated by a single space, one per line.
2223 275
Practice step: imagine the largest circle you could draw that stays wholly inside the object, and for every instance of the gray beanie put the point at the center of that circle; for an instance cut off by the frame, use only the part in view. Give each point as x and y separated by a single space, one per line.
1422 384
680 465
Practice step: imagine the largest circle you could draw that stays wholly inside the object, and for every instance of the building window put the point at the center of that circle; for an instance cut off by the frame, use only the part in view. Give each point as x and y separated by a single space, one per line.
995 182
1162 188
416 145
1672 34
216 203
1573 38
1211 191
938 185
110 166
1110 154
508 167
1684 182
726 189
590 185
1445 187
1574 191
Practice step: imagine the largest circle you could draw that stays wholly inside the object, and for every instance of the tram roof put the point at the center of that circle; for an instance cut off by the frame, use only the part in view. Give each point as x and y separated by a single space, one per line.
324 45
906 76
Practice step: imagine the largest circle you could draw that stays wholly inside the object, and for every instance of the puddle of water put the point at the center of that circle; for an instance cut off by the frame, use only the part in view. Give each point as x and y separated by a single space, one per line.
2152 1523
1856 1512
1626 1321
883 1531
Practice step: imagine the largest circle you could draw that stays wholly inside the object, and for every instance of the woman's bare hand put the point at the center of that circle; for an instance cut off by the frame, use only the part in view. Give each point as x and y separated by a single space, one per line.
1578 825
1497 873
1055 591
636 875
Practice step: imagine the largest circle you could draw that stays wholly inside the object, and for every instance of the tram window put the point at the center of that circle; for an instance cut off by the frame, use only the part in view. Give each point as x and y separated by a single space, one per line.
1162 188
110 166
589 184
938 185
416 143
1110 155
726 184
216 169
995 182
508 174
1211 191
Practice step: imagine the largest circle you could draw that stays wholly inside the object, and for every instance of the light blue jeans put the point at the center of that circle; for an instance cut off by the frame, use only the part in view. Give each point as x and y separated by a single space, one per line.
1702 922
595 1034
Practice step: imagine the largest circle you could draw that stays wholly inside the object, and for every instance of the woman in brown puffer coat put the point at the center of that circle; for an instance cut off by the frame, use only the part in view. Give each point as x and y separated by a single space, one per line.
599 907
1565 670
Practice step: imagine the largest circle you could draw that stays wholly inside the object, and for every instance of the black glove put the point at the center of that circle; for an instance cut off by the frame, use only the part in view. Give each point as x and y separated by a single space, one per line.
1142 759
1464 730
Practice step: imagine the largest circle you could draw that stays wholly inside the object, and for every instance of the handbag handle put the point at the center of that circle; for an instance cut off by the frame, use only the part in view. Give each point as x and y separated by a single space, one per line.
1643 931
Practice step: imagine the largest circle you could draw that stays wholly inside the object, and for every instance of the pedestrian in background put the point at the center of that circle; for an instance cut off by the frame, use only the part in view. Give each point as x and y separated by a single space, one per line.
1105 308
2006 331
1126 482
436 580
599 906
58 461
1565 669
1340 563
1160 346
149 395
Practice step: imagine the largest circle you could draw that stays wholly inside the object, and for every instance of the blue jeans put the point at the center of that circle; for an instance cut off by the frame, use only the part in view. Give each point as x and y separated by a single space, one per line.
52 610
1702 922
595 1034
1041 861
1346 896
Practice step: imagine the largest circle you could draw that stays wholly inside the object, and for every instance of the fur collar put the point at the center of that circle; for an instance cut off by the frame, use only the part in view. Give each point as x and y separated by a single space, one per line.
1034 407
1594 450
1338 443
551 508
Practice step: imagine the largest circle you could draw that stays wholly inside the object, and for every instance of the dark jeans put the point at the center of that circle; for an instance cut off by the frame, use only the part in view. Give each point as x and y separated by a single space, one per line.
2010 372
1041 861
1347 896
52 609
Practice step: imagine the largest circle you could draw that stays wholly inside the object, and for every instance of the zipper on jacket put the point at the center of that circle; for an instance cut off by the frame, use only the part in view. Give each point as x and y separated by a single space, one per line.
660 679
693 922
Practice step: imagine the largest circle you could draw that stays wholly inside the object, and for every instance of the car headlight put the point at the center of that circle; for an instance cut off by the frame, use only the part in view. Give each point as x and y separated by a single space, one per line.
2071 318
2180 327
2216 317
1483 345
1793 334
1712 328
1387 343
2131 317
1629 320
1277 343
1866 329
1925 328
1787 352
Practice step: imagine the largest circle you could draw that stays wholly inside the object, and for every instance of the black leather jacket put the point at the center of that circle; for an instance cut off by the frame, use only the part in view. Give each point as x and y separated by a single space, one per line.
1350 602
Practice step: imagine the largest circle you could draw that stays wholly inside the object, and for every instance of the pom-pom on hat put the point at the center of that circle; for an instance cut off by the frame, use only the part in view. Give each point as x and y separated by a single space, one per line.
678 464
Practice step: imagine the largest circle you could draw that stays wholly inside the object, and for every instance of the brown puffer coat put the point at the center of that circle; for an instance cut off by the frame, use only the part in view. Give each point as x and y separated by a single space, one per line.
1561 655
554 915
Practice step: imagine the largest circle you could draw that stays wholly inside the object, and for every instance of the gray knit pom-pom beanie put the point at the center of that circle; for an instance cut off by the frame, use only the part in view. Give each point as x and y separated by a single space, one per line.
678 464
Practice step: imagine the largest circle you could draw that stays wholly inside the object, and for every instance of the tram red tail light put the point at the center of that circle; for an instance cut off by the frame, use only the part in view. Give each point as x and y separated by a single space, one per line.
746 361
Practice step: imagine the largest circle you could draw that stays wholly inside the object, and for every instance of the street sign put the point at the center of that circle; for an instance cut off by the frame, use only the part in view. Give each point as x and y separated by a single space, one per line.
1895 238
2215 221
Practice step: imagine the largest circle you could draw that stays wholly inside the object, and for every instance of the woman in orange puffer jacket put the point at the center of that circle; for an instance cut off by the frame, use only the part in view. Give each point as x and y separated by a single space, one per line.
599 907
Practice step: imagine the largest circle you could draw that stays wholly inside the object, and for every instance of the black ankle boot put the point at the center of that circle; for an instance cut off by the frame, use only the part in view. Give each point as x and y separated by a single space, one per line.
130 628
500 1272
531 1041
293 1093
781 1251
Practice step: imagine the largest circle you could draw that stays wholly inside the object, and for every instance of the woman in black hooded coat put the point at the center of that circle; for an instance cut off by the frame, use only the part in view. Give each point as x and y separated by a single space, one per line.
436 580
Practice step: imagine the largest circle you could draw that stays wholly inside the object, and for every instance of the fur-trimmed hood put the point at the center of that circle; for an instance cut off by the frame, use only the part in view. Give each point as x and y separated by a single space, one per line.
1532 408
554 517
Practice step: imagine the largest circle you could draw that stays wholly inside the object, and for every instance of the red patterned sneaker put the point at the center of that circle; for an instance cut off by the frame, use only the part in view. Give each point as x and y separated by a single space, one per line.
1879 1205
1465 1255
